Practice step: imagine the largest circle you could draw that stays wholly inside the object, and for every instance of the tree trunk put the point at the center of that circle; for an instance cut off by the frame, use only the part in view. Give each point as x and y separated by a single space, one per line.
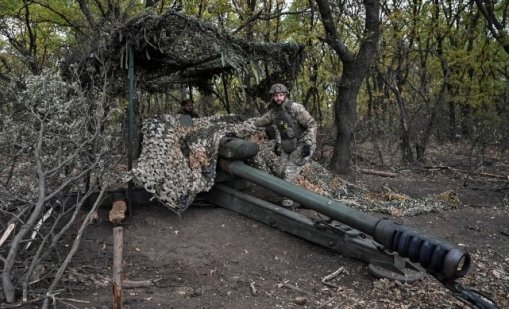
345 116
355 68
149 3
451 108
406 148
436 107
226 98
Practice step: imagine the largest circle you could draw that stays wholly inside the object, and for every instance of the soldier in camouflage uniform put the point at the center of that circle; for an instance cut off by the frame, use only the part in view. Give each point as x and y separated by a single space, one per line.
295 134
187 108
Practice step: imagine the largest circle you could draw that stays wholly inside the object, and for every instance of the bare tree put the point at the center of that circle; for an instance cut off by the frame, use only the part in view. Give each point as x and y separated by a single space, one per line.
59 137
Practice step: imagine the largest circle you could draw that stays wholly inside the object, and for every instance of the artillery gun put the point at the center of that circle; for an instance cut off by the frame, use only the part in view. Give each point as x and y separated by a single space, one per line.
391 249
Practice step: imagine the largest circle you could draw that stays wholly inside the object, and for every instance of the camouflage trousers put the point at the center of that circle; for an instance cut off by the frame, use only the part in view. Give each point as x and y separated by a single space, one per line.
291 164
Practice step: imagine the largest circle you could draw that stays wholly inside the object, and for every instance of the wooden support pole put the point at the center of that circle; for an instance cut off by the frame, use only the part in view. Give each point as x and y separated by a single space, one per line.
130 125
118 245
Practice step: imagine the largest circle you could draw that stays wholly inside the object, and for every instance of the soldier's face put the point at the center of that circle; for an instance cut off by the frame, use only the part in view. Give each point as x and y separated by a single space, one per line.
188 107
279 97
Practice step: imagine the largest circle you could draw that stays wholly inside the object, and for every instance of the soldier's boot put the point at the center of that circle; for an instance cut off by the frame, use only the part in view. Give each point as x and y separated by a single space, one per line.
288 203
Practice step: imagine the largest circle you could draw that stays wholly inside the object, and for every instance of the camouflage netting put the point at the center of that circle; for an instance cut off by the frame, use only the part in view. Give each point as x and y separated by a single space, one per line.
174 49
179 162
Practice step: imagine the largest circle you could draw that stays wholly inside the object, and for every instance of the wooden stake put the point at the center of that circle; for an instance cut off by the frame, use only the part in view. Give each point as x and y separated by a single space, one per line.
118 245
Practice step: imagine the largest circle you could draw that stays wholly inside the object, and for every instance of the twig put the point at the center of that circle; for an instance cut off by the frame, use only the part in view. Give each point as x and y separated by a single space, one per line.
296 288
42 251
253 289
129 284
378 173
73 250
75 300
493 175
332 276
67 305
6 233
38 226
22 304
327 302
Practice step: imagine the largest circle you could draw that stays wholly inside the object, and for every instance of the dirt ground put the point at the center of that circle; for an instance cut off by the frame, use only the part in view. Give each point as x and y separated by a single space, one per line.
213 258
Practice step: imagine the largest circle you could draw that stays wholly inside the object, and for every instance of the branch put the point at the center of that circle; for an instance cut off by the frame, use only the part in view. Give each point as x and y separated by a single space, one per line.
72 179
378 173
74 248
6 233
249 21
88 15
332 36
13 252
494 26
273 16
63 16
73 218
371 32
76 152
129 284
37 258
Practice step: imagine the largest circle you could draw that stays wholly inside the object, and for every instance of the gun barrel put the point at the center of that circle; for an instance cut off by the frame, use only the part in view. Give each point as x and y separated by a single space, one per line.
436 255
326 206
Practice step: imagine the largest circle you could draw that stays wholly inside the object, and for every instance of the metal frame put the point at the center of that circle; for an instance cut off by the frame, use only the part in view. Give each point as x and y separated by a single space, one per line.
336 236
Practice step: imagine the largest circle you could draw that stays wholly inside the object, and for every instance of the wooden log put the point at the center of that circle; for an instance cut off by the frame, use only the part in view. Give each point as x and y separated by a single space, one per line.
118 212
378 173
118 245
130 284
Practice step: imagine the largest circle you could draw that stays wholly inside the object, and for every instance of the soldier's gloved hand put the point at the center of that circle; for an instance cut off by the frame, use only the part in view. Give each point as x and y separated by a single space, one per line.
230 134
277 149
306 150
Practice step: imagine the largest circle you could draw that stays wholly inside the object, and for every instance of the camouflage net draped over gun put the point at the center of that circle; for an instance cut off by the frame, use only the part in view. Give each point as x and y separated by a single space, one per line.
178 162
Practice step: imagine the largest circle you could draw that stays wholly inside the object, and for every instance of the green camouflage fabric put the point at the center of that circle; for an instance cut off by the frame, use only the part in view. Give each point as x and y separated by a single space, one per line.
302 117
178 160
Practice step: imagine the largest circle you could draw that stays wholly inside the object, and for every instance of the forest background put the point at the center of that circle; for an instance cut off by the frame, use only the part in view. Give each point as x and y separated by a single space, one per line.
397 75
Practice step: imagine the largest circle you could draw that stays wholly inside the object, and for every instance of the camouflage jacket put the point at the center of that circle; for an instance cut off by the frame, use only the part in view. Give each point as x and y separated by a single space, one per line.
193 114
292 120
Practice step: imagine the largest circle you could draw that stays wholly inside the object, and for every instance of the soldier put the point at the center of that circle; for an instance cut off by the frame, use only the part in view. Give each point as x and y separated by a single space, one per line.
295 134
187 108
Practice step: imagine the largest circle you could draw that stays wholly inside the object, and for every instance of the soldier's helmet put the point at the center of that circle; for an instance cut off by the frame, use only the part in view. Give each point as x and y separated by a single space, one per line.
278 88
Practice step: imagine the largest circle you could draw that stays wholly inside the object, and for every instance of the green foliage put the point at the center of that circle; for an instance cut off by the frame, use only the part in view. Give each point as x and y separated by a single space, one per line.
419 41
